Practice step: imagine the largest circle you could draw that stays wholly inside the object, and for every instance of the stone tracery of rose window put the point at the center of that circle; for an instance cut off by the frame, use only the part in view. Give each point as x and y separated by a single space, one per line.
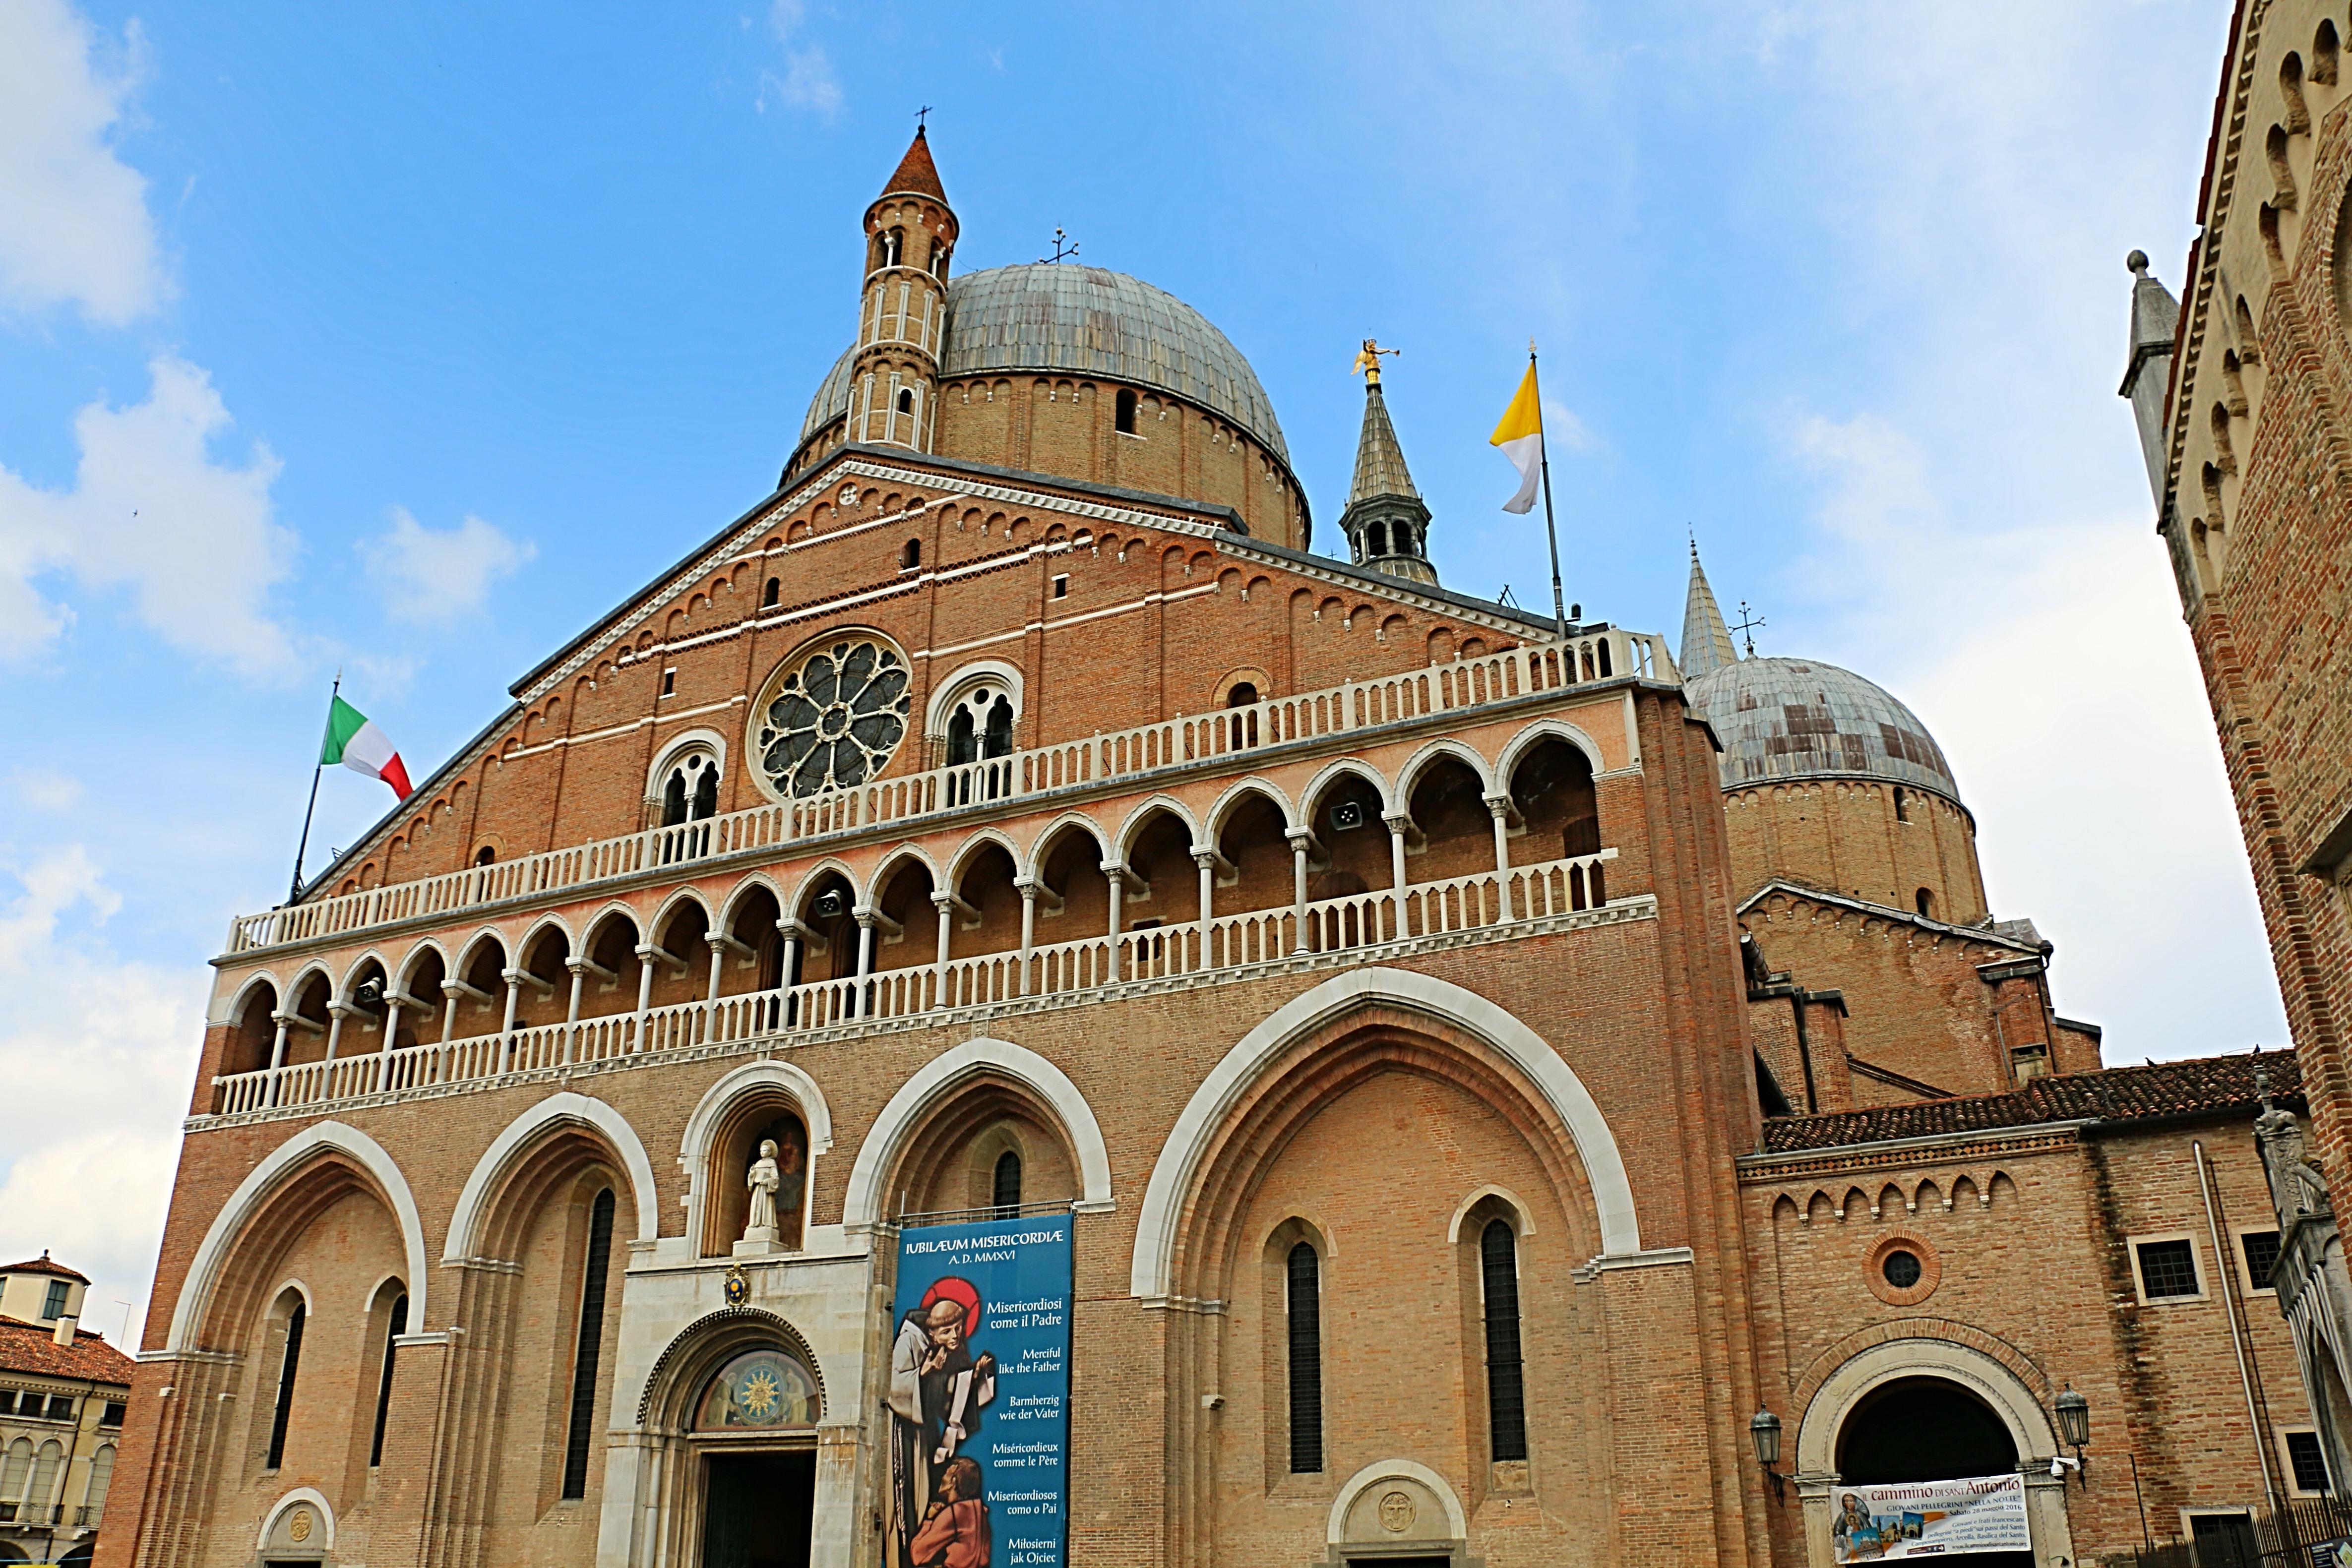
834 719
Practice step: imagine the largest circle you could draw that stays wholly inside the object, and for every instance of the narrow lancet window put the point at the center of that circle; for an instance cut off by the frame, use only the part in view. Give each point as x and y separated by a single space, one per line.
1008 1185
1506 1405
592 1346
383 1389
1306 1271
286 1371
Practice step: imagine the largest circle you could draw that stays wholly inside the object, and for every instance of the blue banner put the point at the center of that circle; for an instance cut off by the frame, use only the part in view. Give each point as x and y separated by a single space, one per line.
980 1395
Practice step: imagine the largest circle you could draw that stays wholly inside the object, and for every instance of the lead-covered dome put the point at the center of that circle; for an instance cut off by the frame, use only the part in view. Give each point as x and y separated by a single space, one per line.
1087 321
1798 718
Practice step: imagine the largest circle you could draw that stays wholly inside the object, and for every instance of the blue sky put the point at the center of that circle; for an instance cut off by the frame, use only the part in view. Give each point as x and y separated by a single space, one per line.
407 343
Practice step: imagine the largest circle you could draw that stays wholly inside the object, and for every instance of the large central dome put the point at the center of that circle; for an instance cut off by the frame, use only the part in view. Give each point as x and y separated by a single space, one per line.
1087 321
1786 719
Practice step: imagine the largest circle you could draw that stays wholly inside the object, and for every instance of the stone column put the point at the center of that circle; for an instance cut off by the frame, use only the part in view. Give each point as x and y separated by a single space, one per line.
865 916
1499 807
1207 861
946 903
1300 840
648 954
1117 871
1397 823
1028 886
336 1013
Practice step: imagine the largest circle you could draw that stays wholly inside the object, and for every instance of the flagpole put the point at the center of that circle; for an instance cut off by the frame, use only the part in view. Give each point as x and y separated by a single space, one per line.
318 767
1552 532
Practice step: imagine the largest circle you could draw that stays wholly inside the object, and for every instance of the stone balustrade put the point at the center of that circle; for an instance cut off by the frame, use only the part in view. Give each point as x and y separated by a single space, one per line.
1230 944
1201 740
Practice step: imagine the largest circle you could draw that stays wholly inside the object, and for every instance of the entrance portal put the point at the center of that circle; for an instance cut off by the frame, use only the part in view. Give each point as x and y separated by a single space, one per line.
1928 1430
757 1510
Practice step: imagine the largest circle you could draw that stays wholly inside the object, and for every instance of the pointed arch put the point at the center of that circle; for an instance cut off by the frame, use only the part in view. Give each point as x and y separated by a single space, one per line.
712 1114
1535 734
1189 1141
967 852
893 859
1123 840
322 1140
472 947
1044 843
307 1495
242 997
673 900
939 1078
1409 776
1336 769
508 1150
815 878
342 992
751 882
678 745
412 961
591 930
1238 793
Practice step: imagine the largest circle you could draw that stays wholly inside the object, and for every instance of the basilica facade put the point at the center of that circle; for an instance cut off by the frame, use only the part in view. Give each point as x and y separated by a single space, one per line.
1504 1097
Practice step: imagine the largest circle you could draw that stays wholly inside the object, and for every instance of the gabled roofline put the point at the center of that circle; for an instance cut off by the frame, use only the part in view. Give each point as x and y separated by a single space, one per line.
1214 523
1886 912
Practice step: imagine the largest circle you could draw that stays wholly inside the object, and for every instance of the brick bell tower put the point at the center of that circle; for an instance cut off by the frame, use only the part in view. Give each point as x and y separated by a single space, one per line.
910 231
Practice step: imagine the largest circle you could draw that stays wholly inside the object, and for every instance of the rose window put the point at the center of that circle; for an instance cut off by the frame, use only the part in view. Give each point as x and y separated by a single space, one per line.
835 720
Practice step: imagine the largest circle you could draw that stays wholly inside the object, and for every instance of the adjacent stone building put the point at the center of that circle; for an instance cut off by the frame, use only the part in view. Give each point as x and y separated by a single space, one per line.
1489 1076
63 1395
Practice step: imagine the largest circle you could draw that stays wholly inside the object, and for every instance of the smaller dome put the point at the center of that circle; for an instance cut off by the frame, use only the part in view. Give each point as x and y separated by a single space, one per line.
1797 718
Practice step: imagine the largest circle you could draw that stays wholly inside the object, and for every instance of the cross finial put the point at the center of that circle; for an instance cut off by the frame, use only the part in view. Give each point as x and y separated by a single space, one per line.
1367 361
1748 622
919 115
1061 251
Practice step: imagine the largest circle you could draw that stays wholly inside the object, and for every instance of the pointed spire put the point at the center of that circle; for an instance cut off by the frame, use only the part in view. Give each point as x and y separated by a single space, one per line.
2155 318
1386 522
1380 461
916 171
1706 641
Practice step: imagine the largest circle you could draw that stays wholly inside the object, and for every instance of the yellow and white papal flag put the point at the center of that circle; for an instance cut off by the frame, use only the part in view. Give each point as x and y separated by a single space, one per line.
1520 436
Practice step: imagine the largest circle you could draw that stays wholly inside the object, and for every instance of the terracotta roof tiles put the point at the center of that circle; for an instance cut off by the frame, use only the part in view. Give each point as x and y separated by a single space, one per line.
41 1265
916 172
31 1348
2209 1086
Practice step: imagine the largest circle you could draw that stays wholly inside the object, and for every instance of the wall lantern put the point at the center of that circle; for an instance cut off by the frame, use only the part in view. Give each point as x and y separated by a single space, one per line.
2073 1413
1764 1431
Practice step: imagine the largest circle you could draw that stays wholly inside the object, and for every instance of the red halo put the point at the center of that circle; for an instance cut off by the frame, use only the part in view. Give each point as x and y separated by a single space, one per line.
961 1293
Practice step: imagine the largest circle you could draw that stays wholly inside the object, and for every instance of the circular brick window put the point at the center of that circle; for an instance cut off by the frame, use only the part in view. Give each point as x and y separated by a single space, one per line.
1903 1270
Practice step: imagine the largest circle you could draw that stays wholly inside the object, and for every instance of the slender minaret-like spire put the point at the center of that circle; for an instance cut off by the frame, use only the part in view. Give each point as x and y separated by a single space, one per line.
903 308
1386 522
2155 315
1706 641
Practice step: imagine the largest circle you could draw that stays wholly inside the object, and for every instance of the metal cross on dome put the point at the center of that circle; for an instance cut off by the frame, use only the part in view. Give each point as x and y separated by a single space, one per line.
1746 627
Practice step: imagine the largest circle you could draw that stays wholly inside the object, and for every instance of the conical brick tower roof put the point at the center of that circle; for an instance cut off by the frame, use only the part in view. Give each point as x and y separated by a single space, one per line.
916 171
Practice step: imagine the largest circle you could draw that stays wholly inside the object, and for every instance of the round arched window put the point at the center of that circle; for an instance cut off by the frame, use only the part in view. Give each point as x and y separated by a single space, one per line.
832 720
757 1391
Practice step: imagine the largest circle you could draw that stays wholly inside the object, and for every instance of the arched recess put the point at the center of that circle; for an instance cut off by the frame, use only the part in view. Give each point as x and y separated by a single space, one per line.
498 1162
322 1141
665 1405
1189 1142
1999 1385
323 1543
1457 1523
774 1082
937 1078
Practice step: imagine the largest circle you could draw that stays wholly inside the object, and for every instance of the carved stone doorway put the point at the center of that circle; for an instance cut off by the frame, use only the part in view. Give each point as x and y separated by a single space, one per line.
757 1509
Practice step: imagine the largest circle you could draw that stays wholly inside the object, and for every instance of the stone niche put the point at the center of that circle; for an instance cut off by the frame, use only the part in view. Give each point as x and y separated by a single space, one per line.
301 1532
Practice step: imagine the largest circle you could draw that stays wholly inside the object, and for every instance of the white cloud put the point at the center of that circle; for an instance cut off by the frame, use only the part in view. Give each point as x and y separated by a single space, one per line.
808 81
74 226
45 788
1566 431
105 1047
194 541
429 576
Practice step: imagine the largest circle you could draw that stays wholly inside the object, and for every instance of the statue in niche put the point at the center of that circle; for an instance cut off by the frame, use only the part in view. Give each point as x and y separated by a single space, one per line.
764 1181
778 1180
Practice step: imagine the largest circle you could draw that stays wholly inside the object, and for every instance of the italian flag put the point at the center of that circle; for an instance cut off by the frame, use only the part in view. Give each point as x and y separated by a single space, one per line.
353 741
1520 436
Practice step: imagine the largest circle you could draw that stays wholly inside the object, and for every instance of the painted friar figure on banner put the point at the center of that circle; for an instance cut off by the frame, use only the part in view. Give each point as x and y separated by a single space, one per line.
937 1389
